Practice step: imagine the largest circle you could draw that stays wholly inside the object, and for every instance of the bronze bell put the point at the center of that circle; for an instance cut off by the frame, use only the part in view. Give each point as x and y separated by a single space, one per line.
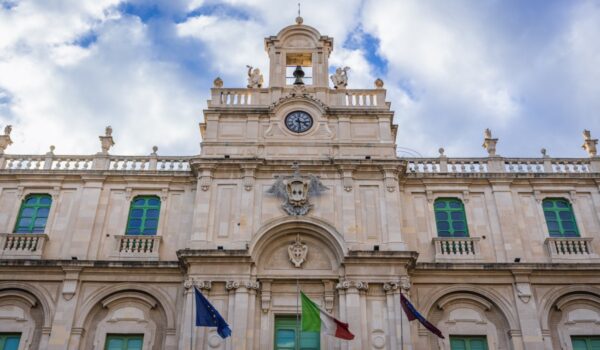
298 74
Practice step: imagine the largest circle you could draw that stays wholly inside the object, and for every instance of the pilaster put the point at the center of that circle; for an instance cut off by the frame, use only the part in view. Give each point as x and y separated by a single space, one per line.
62 323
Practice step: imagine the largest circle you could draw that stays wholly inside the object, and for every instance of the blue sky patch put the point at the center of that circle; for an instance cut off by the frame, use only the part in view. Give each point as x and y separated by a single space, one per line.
87 39
369 45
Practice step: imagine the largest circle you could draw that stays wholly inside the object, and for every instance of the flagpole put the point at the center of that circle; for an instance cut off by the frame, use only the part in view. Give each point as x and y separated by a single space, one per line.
192 316
401 322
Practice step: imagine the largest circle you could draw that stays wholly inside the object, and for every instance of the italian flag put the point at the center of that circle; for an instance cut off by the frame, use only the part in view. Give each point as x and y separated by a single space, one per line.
314 319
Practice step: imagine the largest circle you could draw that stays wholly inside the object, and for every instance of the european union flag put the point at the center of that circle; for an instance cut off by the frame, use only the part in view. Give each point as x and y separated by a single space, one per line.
208 316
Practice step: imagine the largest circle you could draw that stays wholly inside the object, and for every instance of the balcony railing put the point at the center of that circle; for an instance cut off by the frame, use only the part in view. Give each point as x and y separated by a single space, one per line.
456 249
571 249
346 98
53 162
500 165
22 245
137 247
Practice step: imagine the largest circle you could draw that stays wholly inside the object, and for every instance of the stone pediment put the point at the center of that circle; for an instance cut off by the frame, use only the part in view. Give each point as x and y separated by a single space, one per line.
298 95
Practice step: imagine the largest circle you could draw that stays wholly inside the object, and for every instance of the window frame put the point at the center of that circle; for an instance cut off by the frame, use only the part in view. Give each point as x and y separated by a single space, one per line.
556 211
587 338
125 336
145 207
5 335
467 339
448 210
37 206
279 323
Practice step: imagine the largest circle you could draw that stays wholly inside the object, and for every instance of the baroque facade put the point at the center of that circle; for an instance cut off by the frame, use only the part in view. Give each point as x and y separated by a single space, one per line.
298 185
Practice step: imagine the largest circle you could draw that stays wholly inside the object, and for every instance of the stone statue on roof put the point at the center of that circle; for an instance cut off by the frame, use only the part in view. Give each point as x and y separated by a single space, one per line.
255 78
340 78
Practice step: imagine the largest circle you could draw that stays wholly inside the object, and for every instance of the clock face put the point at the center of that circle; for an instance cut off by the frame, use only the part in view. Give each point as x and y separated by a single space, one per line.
298 121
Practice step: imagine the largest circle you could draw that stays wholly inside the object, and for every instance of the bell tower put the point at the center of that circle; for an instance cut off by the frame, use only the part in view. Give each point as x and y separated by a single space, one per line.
296 46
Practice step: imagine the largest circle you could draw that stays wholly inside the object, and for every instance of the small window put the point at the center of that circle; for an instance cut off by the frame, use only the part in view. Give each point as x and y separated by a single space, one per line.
585 342
33 214
143 216
124 342
450 218
10 341
560 218
468 343
286 329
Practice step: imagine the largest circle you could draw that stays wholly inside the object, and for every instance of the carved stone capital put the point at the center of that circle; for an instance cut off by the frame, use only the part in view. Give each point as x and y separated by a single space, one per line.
346 284
232 285
405 283
391 287
254 285
190 282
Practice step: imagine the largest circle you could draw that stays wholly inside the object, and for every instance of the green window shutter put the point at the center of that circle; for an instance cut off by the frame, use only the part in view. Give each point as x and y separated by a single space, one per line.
124 342
560 218
458 344
10 341
143 216
468 343
450 218
33 214
585 342
285 335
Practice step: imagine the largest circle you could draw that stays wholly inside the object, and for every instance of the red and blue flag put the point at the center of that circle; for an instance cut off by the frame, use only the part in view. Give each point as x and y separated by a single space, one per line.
413 314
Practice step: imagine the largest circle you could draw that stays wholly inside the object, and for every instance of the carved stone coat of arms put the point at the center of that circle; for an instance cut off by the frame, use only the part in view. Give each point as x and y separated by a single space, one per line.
296 190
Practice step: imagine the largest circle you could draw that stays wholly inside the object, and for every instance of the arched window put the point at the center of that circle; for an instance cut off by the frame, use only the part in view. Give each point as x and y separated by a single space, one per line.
33 214
143 216
450 218
560 218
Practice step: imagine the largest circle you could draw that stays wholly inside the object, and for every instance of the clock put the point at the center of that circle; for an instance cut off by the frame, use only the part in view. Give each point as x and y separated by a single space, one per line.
298 121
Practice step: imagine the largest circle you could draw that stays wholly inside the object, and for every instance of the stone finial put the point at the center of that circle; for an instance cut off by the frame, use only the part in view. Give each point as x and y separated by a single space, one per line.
255 78
378 83
106 141
5 139
154 150
589 144
218 83
340 77
441 151
544 153
489 143
51 152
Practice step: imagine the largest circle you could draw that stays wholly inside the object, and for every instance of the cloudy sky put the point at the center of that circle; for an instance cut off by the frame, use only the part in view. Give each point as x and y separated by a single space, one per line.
529 70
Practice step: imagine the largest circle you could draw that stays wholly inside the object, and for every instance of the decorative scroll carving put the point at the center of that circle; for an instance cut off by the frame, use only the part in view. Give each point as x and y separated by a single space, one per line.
297 252
346 284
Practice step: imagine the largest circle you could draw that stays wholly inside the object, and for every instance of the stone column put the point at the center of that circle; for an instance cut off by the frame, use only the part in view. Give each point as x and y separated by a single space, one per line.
190 336
199 235
392 290
531 330
252 328
355 316
265 319
239 315
393 241
66 305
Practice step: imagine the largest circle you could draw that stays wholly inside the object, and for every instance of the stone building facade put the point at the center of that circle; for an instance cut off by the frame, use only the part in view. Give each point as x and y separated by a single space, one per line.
299 186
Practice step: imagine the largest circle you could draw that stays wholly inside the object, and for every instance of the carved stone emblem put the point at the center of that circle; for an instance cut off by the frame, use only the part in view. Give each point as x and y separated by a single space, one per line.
297 252
296 190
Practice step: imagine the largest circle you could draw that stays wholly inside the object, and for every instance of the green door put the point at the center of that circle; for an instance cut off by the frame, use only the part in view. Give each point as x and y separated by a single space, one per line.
9 341
285 335
586 343
468 343
124 342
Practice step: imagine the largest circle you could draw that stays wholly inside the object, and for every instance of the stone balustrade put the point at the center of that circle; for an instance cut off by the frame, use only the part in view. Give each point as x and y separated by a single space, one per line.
239 97
22 245
137 247
83 163
501 165
570 249
456 249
